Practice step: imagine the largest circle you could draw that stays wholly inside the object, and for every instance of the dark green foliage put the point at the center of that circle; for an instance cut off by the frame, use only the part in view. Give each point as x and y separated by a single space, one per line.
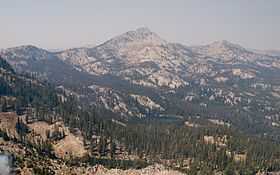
6 66
21 129
4 135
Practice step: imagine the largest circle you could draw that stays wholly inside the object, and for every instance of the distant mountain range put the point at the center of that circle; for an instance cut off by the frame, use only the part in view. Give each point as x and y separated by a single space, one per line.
268 52
138 75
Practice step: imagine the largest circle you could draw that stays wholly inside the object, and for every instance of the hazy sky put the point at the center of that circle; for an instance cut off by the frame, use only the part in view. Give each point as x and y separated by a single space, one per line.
72 23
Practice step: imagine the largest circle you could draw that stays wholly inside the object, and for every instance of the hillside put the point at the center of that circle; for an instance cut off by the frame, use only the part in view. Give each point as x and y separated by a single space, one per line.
218 81
138 100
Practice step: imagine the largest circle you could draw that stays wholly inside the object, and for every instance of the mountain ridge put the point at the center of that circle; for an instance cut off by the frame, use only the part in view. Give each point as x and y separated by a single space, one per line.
137 33
141 64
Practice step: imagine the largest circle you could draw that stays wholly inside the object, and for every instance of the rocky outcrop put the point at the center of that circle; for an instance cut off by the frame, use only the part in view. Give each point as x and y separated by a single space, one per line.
150 170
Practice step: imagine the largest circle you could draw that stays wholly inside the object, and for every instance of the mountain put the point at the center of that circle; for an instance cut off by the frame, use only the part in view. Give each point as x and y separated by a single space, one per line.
58 116
138 75
42 63
140 57
227 52
275 53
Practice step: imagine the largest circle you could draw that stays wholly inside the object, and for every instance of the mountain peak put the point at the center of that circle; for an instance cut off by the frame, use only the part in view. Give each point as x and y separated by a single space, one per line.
25 47
27 52
224 44
143 31
140 35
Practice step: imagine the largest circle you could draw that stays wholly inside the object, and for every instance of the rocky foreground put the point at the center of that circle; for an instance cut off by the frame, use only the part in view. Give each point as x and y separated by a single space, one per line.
100 170
150 170
29 162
